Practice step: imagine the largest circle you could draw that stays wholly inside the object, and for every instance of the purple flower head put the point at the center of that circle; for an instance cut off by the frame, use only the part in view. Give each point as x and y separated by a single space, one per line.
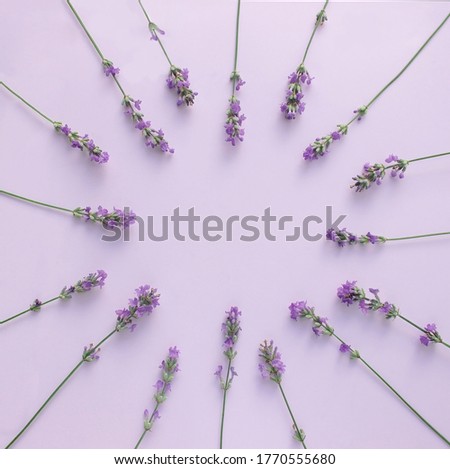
117 218
233 125
271 365
237 80
36 305
349 293
169 367
96 154
320 324
231 328
344 238
90 353
145 302
109 69
431 335
321 144
178 79
154 31
293 104
87 283
153 138
218 372
344 348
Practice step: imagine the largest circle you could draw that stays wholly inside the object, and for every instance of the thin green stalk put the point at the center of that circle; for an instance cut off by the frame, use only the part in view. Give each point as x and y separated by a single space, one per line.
421 159
318 21
27 103
291 414
99 52
412 323
419 236
410 407
151 420
52 395
409 63
150 22
29 309
236 46
10 194
224 402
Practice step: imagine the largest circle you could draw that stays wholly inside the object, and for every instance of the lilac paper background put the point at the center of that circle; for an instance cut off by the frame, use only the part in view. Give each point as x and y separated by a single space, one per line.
46 56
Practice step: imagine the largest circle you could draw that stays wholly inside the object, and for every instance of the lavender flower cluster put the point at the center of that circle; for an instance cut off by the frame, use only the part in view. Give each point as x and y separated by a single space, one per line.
320 145
349 293
178 79
231 329
375 173
271 365
109 69
116 218
293 104
431 334
169 367
344 238
87 283
77 141
234 121
153 138
145 301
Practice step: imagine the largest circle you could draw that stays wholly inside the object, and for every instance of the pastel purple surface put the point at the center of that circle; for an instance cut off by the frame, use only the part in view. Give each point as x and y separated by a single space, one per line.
47 58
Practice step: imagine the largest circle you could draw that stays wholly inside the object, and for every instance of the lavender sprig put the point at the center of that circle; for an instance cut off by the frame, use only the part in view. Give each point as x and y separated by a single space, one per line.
97 155
272 367
87 283
153 138
321 145
234 121
345 238
114 219
178 78
300 309
231 329
375 173
293 104
169 367
349 293
145 301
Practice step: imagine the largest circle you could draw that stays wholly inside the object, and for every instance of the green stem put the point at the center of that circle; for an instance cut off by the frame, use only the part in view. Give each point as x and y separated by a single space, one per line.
410 62
28 310
99 52
236 46
151 419
419 236
319 17
291 414
225 389
428 424
26 102
150 22
52 395
10 194
420 159
412 323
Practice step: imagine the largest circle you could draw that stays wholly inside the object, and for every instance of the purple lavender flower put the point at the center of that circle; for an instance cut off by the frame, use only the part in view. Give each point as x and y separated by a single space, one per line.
234 122
293 104
431 335
344 348
271 365
300 309
154 31
116 218
231 328
349 293
146 300
90 353
77 141
87 283
153 138
320 145
109 69
344 238
375 173
178 79
36 305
